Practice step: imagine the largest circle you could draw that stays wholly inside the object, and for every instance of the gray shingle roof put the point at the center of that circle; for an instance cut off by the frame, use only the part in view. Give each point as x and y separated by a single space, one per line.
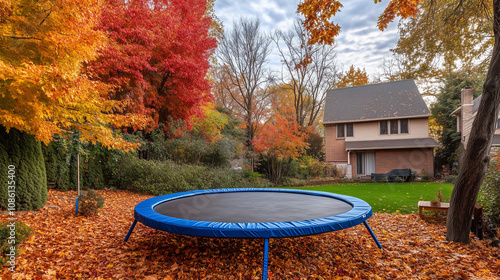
399 99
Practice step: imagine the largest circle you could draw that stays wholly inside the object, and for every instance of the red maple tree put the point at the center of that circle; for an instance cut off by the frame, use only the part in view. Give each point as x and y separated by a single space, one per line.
157 57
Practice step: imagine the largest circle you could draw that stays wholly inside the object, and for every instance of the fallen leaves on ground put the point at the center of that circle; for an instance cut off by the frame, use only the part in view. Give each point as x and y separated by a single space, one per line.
65 246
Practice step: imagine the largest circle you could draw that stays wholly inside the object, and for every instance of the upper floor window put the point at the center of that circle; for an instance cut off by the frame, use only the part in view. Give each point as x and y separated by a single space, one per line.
345 130
393 127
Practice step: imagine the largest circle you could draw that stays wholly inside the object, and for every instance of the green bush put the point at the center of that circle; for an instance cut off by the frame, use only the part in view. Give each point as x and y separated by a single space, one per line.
450 179
57 164
426 178
188 148
24 154
163 177
89 202
12 238
489 194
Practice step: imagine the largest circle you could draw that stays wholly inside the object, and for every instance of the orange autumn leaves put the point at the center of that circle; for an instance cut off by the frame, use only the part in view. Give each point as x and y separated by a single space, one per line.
65 246
323 30
281 138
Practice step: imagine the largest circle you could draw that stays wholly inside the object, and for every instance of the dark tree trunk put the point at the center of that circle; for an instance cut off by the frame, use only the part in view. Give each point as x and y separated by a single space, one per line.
476 158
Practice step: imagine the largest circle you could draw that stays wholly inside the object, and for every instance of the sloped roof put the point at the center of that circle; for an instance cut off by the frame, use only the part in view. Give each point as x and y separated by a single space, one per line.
399 99
391 144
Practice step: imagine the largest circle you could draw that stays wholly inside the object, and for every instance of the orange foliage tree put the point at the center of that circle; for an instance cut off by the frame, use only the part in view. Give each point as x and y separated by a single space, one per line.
279 141
43 90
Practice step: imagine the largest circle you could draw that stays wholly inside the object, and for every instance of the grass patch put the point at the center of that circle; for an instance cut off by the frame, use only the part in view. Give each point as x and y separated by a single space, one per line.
390 197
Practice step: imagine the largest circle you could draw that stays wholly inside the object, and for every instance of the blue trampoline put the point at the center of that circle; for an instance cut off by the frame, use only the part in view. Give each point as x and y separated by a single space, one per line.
252 213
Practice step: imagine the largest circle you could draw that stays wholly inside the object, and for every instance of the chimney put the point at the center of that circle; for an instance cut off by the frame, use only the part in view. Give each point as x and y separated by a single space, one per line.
467 95
466 113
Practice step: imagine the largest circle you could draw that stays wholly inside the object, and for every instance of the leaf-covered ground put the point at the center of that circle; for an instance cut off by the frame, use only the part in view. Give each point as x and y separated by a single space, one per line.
65 246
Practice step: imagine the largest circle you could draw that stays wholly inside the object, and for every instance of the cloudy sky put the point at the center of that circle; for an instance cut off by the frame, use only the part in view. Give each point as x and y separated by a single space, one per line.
360 42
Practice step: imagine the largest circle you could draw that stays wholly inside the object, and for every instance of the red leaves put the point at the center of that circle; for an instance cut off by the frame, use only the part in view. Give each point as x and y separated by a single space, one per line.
158 56
65 246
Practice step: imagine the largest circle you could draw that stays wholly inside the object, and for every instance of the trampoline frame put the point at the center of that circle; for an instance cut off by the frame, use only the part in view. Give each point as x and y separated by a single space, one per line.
145 214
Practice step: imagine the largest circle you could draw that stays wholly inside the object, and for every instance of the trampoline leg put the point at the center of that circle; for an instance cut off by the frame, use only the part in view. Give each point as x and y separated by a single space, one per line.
266 253
372 234
130 230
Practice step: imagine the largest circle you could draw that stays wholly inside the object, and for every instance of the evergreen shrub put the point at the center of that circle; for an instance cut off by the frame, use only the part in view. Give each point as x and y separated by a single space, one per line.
89 202
57 165
24 153
21 231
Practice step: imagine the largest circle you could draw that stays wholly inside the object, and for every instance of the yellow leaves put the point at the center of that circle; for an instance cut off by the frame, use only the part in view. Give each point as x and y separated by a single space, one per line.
43 90
353 77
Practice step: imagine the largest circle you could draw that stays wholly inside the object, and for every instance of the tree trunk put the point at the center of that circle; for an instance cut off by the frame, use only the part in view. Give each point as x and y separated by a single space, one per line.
476 158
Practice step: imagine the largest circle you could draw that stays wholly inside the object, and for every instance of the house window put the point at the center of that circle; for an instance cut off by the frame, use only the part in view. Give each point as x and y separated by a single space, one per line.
340 130
394 127
345 130
403 125
498 123
349 128
383 127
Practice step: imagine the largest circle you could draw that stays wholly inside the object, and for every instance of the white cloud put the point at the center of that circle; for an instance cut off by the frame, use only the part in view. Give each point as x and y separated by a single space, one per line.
360 42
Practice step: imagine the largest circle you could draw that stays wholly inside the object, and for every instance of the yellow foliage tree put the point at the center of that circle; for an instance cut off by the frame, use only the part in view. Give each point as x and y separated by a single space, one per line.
353 77
43 91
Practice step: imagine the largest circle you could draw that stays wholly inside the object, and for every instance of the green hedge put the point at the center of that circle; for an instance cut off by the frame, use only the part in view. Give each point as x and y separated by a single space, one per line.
163 177
24 154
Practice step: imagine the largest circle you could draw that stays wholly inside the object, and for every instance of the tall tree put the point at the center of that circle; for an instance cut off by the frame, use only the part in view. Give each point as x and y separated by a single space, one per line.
476 158
43 90
308 70
442 37
353 77
158 56
244 52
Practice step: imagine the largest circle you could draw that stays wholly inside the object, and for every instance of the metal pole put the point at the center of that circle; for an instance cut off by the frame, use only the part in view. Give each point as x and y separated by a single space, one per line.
372 234
78 182
78 173
266 253
130 230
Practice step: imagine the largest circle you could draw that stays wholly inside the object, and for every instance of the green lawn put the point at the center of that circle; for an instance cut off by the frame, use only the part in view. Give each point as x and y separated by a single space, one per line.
390 197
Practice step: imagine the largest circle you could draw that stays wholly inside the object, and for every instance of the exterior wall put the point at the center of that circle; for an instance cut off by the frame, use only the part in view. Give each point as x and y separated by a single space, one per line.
335 148
367 131
418 160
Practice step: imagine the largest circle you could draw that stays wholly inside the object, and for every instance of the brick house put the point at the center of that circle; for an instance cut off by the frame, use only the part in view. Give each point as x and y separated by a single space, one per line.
377 128
466 114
